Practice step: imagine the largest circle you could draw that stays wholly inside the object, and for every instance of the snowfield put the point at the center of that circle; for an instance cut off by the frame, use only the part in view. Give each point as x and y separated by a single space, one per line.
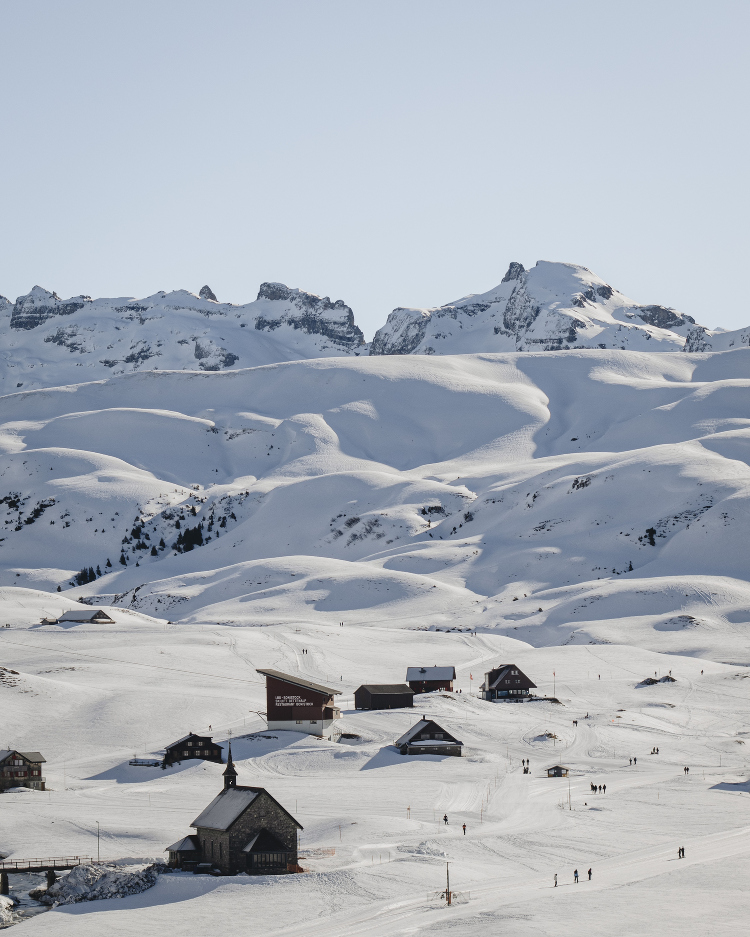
582 513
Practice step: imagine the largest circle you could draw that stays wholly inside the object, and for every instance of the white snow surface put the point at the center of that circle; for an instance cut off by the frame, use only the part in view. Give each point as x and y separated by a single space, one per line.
579 513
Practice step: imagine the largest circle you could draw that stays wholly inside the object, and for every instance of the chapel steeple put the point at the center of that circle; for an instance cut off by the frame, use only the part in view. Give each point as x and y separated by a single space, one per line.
230 772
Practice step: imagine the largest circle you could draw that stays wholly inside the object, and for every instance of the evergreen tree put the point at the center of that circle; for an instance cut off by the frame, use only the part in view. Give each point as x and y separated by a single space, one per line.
108 564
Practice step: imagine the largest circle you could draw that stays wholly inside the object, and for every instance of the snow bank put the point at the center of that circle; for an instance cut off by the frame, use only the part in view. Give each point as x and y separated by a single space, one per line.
7 911
94 882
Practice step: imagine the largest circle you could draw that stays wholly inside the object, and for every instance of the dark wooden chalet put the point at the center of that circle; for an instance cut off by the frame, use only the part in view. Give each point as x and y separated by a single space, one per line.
299 705
507 683
428 738
384 696
427 679
21 769
557 771
243 829
192 746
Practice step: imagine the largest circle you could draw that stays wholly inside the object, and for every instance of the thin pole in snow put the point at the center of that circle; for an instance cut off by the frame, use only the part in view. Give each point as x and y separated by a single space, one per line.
97 840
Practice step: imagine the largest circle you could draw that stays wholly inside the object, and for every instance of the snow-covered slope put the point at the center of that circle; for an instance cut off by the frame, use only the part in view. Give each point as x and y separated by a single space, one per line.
47 341
553 306
434 490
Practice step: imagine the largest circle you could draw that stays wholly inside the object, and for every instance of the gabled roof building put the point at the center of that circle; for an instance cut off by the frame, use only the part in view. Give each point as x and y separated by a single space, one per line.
383 696
428 679
21 769
507 683
192 746
428 738
243 829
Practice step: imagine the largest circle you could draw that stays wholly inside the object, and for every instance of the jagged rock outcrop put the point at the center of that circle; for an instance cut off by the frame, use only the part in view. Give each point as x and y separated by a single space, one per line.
315 315
50 341
39 305
553 306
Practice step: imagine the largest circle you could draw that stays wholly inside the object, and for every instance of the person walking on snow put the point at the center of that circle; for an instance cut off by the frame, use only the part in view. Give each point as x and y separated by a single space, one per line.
631 761
589 874
555 879
464 829
575 875
445 819
635 761
604 788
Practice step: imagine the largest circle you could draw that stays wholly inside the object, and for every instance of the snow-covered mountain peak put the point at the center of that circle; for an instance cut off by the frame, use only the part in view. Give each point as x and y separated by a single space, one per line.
552 306
52 341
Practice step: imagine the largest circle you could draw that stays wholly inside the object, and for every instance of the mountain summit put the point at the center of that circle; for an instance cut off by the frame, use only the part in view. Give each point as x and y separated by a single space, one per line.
552 307
48 341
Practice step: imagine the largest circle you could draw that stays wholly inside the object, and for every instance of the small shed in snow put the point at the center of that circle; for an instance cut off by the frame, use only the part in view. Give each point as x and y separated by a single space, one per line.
557 771
428 738
427 679
383 696
97 615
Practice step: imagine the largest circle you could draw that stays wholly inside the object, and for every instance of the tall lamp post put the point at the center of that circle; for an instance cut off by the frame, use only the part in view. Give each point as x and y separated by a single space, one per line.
97 840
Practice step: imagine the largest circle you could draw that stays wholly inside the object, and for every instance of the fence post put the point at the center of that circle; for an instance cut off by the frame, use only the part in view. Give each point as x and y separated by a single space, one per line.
4 888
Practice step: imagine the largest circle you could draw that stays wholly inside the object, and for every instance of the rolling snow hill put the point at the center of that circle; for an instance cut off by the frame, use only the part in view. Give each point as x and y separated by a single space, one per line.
438 491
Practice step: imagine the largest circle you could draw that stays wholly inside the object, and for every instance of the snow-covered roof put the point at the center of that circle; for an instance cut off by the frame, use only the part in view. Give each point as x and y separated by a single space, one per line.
298 681
226 807
376 688
36 757
183 845
407 737
430 673
191 735
87 615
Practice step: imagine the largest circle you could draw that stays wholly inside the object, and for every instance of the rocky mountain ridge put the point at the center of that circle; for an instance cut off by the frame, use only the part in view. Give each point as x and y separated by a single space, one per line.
49 341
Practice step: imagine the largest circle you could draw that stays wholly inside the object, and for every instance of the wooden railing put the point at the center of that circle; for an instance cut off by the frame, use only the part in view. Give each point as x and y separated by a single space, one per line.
41 865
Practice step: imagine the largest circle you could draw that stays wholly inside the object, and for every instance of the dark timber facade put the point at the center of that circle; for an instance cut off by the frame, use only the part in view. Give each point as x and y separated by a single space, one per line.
428 738
506 683
243 829
383 696
429 679
299 705
21 769
192 746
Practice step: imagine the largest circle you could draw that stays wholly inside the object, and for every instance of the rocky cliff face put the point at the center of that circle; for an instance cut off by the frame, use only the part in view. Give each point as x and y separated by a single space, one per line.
47 341
553 306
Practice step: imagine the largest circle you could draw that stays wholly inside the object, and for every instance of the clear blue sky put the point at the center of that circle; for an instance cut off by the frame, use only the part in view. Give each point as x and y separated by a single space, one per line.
383 153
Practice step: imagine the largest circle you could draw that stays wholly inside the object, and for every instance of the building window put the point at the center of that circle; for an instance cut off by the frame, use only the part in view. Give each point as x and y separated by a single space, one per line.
313 722
186 754
438 735
299 722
